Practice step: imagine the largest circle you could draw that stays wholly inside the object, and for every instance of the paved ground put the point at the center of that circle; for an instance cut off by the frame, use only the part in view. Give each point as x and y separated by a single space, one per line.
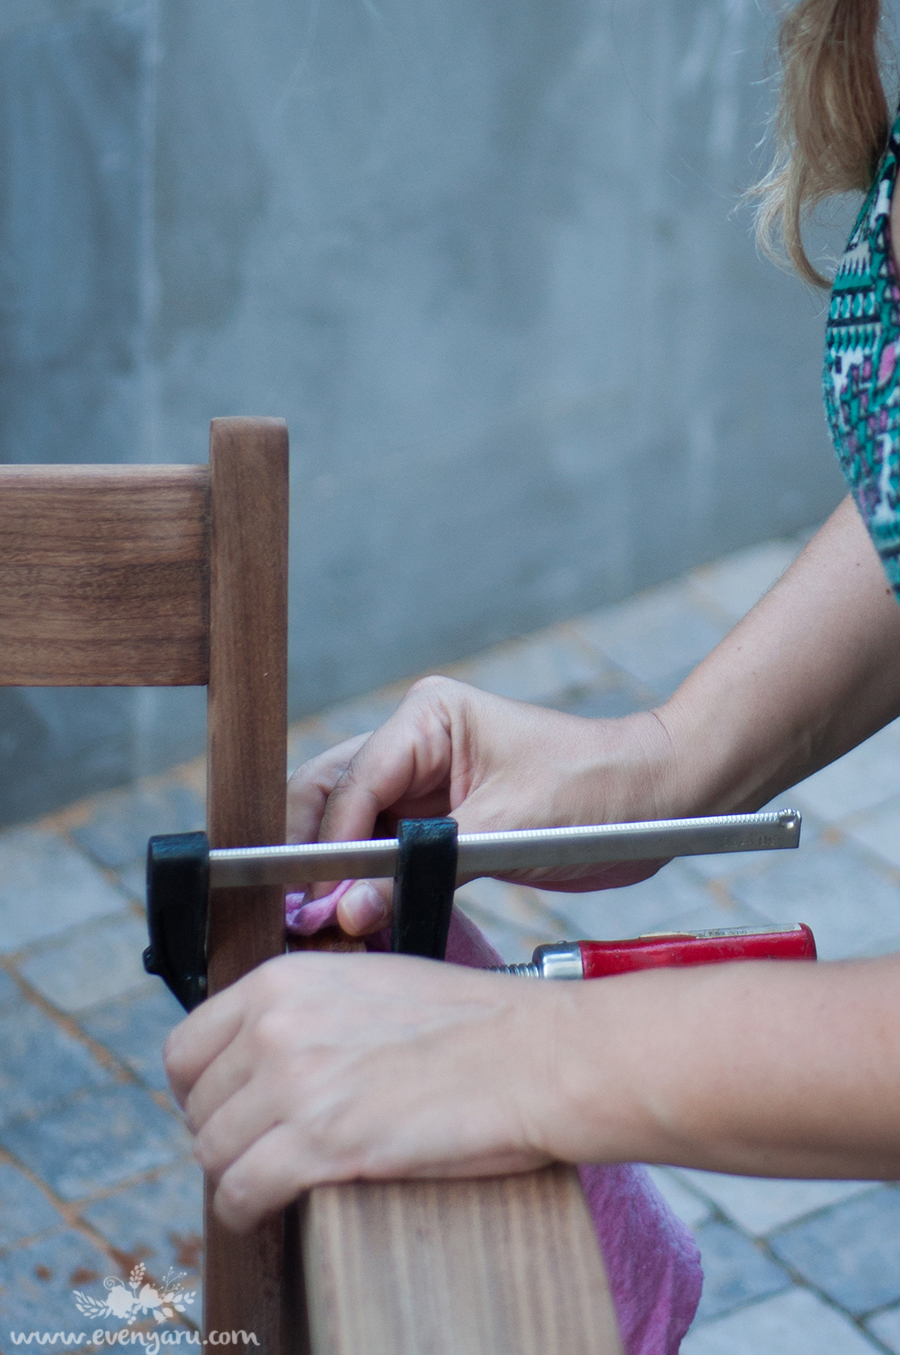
95 1169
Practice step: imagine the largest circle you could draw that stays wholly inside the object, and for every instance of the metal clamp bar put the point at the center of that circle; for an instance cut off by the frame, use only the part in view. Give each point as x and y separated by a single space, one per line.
524 849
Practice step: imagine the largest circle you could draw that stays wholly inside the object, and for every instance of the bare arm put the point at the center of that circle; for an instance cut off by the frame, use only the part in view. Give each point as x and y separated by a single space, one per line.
809 673
322 1067
758 1069
326 1067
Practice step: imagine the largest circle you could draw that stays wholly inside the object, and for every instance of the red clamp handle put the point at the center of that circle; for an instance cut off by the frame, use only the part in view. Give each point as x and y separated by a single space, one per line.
665 949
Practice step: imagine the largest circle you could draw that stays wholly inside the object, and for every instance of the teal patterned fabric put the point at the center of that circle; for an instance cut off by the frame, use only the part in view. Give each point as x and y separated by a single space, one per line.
862 366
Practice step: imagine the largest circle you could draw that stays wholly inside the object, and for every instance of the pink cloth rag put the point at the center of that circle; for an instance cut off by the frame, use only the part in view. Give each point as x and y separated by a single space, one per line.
651 1257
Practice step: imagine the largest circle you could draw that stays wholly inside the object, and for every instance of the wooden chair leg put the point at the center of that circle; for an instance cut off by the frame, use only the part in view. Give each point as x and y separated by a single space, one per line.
247 772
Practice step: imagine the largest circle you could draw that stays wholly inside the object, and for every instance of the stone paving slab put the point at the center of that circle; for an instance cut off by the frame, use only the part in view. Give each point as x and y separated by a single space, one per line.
859 781
99 962
852 908
656 634
96 1139
95 1167
879 832
760 1206
39 1279
46 885
886 1327
537 669
10 993
116 832
734 584
689 1205
156 1221
25 1210
736 1271
794 1323
610 704
41 1064
134 1029
850 1253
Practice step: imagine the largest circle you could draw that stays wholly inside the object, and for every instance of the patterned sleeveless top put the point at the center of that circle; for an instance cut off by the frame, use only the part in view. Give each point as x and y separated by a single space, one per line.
862 366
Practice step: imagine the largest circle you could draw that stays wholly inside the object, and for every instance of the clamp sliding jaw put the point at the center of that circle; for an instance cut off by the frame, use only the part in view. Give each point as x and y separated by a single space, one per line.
178 876
426 860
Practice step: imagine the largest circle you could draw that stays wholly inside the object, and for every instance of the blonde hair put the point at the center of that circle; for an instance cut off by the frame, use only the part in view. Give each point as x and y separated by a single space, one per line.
832 123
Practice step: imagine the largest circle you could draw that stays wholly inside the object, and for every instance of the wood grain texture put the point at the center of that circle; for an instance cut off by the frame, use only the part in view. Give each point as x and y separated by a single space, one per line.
246 781
508 1266
330 938
103 575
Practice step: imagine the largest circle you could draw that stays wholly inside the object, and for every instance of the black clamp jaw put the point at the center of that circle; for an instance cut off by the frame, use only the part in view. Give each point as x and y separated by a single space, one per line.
424 883
177 912
178 901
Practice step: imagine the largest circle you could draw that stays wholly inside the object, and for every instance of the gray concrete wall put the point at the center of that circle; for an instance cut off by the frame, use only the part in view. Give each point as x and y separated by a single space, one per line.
482 256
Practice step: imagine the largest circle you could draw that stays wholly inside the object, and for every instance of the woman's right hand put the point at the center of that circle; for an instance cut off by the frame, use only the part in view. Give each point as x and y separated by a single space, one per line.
493 764
810 672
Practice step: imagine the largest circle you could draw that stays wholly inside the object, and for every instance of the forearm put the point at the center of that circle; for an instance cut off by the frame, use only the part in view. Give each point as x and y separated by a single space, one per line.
759 1069
813 670
322 1067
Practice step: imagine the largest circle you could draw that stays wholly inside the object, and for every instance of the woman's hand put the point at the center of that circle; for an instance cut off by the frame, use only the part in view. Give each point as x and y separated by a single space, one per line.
319 1067
493 764
809 673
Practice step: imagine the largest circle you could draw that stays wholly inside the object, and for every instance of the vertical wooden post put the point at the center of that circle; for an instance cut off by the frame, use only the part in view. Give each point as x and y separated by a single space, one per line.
247 771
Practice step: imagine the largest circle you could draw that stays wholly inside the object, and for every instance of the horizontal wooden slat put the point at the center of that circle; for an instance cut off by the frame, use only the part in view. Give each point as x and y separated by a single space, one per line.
507 1266
104 577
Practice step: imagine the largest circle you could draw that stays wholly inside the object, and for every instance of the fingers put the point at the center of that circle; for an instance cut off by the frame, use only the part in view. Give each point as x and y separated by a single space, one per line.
228 1072
404 766
193 1044
210 1054
324 1068
238 1121
310 786
268 1176
490 761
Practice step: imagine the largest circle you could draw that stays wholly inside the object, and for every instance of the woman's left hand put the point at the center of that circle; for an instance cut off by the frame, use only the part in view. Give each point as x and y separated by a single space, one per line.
319 1067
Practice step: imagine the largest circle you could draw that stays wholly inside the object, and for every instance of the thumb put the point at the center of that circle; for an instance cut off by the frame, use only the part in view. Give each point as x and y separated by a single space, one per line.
366 907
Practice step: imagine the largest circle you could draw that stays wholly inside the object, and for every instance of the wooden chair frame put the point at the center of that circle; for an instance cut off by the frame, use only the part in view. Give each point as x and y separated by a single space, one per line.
177 576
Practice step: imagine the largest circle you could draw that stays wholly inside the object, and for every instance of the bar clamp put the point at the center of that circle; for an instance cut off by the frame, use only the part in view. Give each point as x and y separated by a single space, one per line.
427 859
